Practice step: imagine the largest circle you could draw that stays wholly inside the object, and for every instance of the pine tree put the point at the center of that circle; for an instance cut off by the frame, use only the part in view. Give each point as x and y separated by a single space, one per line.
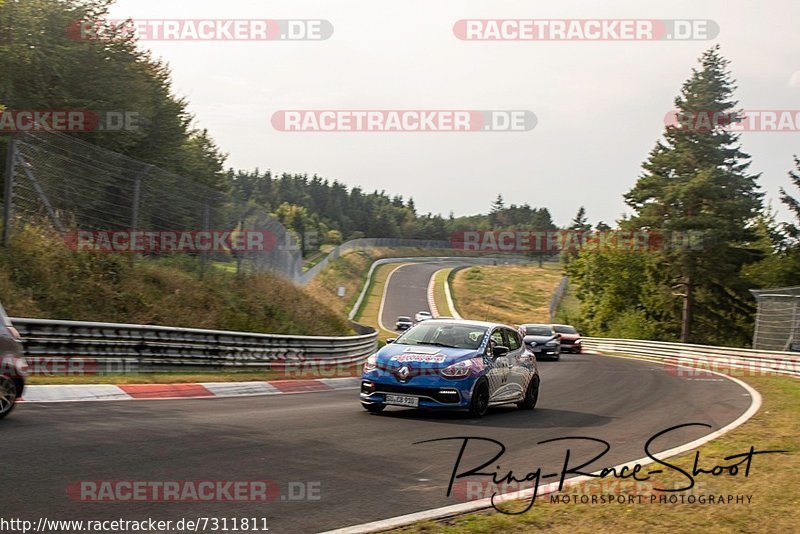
580 221
792 203
497 216
695 187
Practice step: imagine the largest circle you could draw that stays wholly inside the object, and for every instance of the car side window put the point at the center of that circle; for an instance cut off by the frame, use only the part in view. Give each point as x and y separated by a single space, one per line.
513 340
495 339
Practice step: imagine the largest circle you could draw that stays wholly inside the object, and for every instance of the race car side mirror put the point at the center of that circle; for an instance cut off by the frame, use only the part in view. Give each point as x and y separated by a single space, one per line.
391 340
499 350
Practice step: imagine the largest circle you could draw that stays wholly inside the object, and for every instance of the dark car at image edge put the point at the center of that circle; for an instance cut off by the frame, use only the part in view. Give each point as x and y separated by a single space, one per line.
13 366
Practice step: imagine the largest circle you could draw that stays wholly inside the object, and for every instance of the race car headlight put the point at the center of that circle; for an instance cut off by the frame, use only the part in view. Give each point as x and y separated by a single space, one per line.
576 342
457 370
371 364
551 343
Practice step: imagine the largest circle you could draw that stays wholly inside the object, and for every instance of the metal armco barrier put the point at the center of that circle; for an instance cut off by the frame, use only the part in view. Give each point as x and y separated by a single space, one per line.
65 347
748 362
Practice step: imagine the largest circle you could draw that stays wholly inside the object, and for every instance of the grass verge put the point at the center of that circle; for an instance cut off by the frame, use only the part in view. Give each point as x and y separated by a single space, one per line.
511 294
439 297
40 277
300 372
372 302
772 483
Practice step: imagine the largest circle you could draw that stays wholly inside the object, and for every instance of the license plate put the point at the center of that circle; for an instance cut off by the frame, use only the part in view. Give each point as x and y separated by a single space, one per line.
402 400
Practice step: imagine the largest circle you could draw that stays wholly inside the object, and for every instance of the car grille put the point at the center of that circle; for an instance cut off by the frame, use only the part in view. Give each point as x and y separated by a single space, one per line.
450 396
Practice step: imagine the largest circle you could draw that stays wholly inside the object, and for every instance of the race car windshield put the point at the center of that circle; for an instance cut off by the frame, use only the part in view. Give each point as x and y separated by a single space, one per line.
457 336
538 331
565 330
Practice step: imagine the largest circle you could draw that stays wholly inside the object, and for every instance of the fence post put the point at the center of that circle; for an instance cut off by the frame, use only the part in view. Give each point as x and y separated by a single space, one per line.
8 193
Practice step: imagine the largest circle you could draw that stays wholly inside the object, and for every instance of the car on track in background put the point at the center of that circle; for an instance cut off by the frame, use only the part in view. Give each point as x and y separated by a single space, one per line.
570 338
451 364
422 316
403 322
13 367
542 339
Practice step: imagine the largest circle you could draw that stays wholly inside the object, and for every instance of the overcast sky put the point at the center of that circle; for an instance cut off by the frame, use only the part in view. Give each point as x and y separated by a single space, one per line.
600 105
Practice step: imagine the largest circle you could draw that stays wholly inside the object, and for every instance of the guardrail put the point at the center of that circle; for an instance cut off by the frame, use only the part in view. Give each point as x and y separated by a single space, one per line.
62 347
704 357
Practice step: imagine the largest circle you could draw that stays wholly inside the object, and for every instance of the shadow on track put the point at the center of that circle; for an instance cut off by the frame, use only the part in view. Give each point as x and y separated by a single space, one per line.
503 417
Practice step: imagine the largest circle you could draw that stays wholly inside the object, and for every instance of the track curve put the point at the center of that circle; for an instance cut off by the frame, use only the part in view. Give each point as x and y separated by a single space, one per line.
367 466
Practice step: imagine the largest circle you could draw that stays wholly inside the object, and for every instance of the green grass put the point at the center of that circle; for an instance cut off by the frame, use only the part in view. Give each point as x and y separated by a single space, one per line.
439 296
372 302
40 277
569 309
511 294
775 505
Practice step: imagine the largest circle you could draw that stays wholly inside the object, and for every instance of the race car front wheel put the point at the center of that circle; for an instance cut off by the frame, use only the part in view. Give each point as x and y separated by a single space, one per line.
480 400
8 395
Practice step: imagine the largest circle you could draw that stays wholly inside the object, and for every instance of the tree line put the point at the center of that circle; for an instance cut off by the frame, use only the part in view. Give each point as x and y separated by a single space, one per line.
695 182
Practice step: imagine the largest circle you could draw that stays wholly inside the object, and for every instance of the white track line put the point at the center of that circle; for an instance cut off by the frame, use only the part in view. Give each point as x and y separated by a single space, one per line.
431 289
383 297
449 298
473 506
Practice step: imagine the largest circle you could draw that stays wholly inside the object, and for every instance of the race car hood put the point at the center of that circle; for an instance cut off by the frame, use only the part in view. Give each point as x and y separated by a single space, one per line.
570 337
394 356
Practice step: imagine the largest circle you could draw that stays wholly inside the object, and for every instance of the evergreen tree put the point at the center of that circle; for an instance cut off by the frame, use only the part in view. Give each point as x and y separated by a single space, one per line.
580 221
696 188
792 203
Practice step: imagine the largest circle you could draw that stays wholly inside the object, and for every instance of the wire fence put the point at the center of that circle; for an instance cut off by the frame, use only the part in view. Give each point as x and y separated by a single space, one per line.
95 196
558 294
778 319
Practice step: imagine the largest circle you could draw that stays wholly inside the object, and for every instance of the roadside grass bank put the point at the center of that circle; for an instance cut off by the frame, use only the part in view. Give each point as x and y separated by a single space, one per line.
569 309
439 281
772 485
511 294
40 277
370 309
350 272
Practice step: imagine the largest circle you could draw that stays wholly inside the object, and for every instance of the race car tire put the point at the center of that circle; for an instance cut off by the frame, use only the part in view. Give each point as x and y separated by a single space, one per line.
479 404
531 395
8 396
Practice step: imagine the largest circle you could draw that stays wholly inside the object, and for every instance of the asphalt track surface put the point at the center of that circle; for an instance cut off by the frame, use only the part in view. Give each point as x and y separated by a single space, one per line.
367 466
407 290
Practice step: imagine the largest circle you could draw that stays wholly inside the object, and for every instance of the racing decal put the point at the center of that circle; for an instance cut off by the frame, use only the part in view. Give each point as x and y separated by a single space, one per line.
419 358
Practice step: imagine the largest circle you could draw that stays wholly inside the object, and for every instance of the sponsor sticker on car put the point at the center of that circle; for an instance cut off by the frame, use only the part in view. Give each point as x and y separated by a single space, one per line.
418 358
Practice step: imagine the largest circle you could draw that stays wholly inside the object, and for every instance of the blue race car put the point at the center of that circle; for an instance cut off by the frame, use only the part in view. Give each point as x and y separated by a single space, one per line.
452 365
